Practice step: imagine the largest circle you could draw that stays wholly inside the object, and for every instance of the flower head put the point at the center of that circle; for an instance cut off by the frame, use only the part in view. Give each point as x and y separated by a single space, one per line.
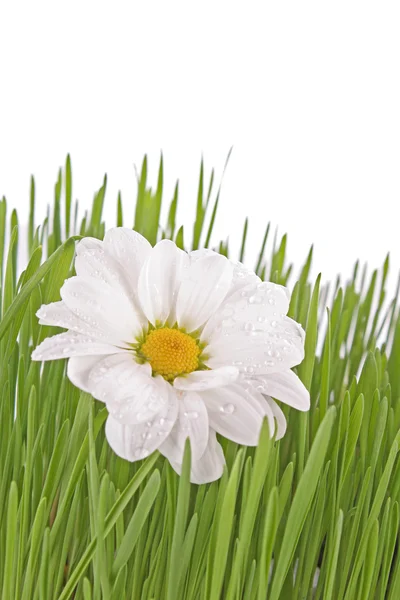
176 345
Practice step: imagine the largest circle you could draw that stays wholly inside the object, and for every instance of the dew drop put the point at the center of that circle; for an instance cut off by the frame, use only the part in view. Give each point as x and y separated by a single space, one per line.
226 322
273 323
191 414
228 409
161 421
248 327
249 369
271 301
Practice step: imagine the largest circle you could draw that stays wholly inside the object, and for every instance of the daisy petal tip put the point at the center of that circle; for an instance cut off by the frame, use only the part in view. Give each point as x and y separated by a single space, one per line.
41 312
306 402
303 396
36 356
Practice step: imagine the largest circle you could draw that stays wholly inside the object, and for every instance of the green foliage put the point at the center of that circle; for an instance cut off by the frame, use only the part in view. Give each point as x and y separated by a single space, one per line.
315 515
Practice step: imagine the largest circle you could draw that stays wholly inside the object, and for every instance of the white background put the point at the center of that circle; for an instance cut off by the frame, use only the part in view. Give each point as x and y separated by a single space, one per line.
307 93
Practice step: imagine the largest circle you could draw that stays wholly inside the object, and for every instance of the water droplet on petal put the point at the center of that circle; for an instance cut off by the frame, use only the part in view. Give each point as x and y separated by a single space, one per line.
228 409
191 414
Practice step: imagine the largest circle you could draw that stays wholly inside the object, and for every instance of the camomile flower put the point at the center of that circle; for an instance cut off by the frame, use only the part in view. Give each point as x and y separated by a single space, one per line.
177 345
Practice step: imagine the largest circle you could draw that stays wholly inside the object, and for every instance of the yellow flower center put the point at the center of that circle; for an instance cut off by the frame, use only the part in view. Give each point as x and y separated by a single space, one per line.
171 352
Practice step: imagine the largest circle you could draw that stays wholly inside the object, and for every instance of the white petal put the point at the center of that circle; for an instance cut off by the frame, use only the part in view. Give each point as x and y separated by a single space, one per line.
58 314
102 307
143 404
65 345
242 276
235 413
202 290
201 253
192 423
288 388
279 416
268 407
130 250
261 307
159 280
93 260
209 467
258 351
79 368
88 243
205 380
118 379
134 442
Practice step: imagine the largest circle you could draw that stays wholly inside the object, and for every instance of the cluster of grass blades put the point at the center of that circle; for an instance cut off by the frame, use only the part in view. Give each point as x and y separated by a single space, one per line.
315 515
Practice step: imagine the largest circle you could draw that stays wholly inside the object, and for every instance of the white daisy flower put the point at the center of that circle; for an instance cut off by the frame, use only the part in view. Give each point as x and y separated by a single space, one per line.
176 345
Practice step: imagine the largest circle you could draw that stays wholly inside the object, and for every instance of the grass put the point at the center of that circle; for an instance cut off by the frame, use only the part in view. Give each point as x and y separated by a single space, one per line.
315 515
